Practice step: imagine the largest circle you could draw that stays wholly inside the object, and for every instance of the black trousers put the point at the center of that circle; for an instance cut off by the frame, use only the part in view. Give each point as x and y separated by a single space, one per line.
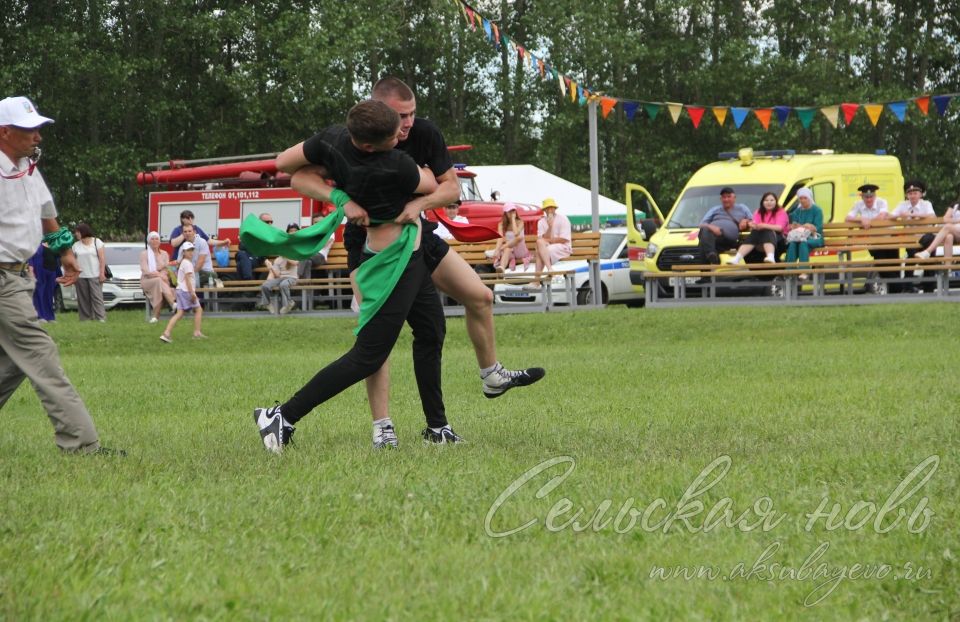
711 244
414 300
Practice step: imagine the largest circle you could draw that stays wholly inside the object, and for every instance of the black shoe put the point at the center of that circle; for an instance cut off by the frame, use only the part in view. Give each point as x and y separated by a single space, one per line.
443 436
713 258
275 431
501 380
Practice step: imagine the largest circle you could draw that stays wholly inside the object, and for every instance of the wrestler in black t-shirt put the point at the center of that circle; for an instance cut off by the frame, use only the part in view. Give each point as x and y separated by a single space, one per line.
425 144
382 182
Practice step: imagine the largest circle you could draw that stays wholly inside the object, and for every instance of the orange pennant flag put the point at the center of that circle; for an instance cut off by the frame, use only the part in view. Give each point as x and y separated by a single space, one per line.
873 112
720 112
763 115
923 103
496 33
849 111
675 110
832 113
696 114
606 105
540 66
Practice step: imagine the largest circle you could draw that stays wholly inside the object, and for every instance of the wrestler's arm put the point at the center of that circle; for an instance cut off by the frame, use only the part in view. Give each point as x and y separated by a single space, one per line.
447 192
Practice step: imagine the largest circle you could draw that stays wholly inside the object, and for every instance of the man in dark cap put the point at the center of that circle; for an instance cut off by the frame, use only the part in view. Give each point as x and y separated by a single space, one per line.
870 207
721 226
915 206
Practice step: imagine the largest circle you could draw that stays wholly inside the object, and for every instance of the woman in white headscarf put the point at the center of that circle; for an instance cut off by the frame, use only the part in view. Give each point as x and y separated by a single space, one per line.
154 277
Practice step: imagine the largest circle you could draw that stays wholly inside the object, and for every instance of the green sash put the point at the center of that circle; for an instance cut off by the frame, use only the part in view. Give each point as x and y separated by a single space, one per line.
376 277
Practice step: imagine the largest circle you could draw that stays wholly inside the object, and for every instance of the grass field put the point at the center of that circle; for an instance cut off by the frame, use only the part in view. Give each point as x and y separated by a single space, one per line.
796 409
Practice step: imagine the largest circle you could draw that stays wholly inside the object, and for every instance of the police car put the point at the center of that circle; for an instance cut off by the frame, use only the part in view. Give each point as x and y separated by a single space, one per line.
614 276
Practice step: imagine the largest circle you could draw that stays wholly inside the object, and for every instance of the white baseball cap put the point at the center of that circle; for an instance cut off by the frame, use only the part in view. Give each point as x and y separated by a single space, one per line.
187 246
20 112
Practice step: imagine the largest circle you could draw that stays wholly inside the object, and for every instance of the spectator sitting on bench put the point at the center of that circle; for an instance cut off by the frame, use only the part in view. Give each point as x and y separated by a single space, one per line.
247 263
806 229
768 230
453 213
915 206
553 236
282 275
948 234
721 226
870 207
512 245
305 271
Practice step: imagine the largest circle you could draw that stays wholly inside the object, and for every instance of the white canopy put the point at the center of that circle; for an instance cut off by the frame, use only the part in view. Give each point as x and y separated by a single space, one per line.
525 183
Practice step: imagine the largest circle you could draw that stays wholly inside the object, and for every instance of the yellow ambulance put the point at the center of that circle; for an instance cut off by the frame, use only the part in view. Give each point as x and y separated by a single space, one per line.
657 243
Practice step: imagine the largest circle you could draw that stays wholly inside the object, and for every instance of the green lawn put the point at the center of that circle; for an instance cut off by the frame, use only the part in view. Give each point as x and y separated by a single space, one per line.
804 406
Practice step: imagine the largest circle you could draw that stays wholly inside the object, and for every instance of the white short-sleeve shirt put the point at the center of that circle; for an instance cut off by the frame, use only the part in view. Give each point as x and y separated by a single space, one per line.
23 202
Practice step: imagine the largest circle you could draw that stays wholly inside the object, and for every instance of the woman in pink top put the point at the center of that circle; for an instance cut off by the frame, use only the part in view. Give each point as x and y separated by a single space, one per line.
512 246
767 230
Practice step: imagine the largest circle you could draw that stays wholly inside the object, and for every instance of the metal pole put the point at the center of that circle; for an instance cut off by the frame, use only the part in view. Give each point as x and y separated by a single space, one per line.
594 195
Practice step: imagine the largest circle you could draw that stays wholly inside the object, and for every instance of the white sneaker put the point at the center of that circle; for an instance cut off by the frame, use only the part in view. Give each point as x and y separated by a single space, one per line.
734 261
501 380
769 259
275 431
923 255
153 320
385 436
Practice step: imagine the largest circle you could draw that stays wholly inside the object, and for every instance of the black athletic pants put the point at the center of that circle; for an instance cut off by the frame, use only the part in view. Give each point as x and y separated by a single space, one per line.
413 300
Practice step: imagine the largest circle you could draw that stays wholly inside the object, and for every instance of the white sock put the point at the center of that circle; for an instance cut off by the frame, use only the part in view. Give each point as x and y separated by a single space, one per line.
486 371
382 423
771 258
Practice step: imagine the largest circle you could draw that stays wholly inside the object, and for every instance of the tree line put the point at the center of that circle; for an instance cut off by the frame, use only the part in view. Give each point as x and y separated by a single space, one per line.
134 82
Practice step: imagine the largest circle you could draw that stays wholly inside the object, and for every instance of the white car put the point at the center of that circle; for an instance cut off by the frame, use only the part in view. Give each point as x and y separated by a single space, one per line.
123 258
614 277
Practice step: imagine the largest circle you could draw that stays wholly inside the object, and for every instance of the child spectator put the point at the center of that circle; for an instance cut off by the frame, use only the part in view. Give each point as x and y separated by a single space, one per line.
186 295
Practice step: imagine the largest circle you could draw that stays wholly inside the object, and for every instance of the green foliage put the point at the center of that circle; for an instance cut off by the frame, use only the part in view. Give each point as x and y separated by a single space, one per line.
133 82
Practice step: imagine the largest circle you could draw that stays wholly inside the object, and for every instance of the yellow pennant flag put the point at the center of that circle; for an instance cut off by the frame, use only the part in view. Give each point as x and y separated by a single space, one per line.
873 111
675 110
832 113
573 91
720 112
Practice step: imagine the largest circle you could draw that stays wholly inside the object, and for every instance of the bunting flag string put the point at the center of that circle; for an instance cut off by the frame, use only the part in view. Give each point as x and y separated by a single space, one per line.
580 94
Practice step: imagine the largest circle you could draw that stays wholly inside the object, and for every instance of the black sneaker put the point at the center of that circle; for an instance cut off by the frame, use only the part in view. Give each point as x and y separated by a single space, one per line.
442 436
501 380
275 432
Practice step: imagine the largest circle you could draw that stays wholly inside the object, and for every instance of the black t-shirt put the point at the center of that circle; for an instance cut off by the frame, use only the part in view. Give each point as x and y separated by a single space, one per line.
382 182
425 144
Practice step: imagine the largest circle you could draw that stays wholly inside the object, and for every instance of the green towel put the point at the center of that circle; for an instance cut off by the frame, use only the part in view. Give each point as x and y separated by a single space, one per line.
376 277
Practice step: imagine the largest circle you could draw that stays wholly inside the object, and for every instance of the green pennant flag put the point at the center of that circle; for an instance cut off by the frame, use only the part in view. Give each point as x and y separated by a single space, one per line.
806 116
651 110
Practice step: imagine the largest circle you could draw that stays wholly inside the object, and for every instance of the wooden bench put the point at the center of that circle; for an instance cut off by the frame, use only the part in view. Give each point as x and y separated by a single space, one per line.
332 278
848 264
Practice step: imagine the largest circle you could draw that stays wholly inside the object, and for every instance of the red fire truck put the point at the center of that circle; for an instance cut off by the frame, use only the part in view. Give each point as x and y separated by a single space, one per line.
222 192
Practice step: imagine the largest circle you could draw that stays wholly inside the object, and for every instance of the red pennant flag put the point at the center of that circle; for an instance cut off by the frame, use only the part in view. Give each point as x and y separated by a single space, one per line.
849 110
696 115
923 103
470 16
763 115
606 105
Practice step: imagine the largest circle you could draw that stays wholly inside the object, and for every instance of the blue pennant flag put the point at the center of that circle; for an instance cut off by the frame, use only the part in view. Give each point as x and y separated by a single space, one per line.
487 29
631 109
739 115
899 109
783 113
941 101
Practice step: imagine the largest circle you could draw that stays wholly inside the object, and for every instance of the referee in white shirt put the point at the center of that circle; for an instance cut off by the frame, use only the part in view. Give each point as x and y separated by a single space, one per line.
26 213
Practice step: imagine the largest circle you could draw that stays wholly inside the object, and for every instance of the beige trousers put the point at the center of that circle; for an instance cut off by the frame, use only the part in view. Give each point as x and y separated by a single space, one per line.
27 351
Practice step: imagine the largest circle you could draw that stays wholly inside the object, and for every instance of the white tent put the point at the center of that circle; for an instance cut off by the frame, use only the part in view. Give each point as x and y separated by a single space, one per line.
525 183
